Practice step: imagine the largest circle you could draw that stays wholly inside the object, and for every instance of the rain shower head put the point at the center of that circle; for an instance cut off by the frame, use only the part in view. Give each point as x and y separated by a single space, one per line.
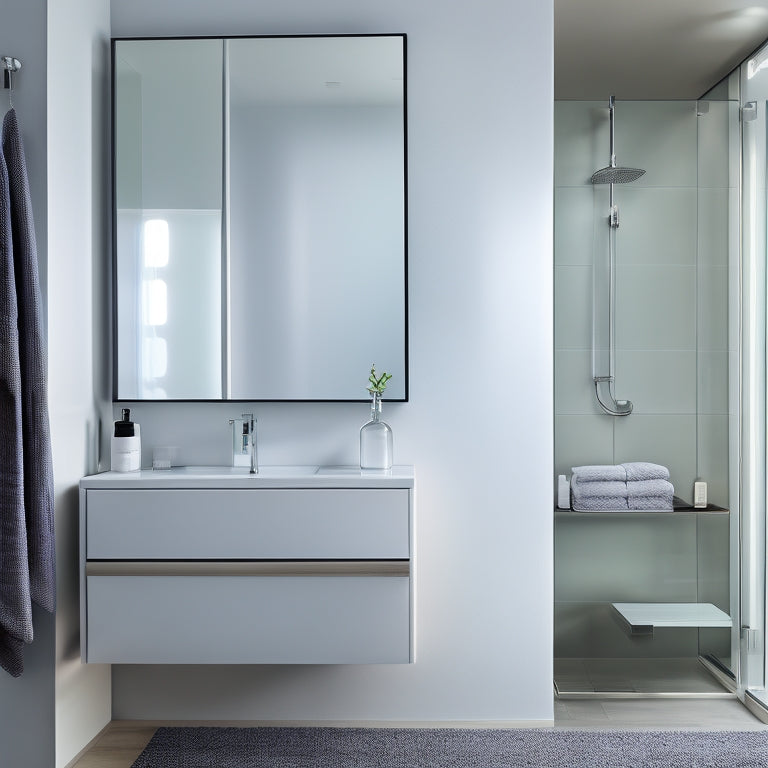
613 174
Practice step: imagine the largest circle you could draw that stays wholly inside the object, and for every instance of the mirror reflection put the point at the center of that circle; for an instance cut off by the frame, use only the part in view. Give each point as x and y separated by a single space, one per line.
259 217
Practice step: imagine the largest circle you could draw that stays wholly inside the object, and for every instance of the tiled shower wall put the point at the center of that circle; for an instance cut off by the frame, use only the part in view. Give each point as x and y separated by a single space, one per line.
677 237
672 246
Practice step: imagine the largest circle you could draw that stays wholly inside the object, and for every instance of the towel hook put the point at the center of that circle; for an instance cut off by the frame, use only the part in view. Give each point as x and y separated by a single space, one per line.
10 67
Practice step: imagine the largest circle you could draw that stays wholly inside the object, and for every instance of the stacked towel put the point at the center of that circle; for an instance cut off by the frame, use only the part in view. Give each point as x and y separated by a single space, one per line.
632 485
644 470
599 488
650 494
598 495
598 473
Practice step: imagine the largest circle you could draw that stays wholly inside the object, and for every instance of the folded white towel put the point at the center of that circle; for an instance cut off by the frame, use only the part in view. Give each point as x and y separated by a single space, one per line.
599 504
644 470
639 488
609 489
647 503
597 473
650 494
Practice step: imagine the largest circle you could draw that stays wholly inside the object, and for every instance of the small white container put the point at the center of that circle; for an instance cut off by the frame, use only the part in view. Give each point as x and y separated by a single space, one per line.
126 445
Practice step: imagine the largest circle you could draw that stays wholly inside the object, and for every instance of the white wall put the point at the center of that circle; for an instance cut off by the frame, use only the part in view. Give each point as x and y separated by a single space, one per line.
478 426
26 702
78 56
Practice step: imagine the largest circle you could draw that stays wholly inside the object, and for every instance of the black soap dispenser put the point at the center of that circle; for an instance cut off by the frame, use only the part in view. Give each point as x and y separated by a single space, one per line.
126 444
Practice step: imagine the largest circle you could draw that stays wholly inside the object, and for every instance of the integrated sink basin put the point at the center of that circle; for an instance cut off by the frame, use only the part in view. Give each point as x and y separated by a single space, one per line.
268 476
265 472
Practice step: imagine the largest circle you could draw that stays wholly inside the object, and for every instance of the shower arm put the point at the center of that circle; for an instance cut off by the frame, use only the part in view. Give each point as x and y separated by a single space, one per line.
613 215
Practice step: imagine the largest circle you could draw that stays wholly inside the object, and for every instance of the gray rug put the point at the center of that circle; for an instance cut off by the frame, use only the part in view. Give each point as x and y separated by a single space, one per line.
454 748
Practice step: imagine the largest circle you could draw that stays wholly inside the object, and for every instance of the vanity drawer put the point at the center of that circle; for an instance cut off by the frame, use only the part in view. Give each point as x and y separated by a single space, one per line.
248 524
251 618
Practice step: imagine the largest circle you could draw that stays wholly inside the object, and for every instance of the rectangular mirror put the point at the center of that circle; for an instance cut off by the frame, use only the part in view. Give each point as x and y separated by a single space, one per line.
259 217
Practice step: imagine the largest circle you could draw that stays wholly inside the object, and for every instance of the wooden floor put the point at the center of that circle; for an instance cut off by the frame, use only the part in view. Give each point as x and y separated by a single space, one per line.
121 742
118 746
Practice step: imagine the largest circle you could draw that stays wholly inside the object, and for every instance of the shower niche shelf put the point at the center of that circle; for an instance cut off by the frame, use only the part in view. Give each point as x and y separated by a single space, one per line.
679 509
635 513
644 618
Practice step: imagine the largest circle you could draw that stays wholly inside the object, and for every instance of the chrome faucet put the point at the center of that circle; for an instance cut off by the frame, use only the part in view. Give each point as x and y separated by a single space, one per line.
244 450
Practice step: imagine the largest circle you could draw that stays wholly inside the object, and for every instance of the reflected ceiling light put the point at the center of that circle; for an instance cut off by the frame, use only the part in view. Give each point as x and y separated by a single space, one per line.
155 243
155 304
155 360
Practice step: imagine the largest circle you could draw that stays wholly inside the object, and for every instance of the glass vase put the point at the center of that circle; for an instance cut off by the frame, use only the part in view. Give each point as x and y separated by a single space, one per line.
376 439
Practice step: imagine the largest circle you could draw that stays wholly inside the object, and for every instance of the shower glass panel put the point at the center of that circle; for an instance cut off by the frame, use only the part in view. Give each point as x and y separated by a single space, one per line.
717 391
754 93
674 332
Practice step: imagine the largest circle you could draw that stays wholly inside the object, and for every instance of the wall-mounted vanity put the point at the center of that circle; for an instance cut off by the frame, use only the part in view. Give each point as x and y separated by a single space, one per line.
298 565
259 217
259 254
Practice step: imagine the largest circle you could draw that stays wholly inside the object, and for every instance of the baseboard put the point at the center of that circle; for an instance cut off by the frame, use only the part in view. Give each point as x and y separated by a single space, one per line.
464 724
88 746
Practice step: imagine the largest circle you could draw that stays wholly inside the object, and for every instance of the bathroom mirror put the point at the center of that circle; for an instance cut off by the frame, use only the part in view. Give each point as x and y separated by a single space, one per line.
259 217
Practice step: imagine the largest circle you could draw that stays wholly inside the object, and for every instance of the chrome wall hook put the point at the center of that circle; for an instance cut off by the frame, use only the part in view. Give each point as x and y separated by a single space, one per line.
10 67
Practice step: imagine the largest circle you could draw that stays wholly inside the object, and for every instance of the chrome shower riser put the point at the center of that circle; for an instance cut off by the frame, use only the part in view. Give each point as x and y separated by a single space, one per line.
604 379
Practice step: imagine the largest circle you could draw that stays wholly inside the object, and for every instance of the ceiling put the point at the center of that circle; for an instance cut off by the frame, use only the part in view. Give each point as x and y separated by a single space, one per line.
652 49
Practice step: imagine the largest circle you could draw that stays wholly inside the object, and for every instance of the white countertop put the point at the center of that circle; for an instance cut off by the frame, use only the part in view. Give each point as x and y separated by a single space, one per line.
305 476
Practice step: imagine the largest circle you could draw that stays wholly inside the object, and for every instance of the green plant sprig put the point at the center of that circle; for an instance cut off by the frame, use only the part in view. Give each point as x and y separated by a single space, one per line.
378 384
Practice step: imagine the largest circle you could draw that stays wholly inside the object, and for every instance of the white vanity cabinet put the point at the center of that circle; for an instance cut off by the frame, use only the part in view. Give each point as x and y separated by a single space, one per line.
296 565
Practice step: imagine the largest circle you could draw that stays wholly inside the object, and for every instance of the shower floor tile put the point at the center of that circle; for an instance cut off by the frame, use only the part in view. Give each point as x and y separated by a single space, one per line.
584 677
656 714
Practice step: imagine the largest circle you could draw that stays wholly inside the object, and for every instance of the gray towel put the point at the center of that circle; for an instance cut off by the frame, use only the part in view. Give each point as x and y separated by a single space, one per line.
644 470
639 488
599 503
598 473
650 494
648 503
26 493
15 599
610 489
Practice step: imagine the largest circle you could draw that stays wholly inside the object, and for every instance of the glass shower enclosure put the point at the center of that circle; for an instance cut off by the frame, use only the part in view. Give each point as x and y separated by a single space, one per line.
648 603
753 81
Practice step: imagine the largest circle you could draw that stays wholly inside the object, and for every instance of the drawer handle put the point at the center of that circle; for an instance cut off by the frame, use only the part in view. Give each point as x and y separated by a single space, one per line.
249 568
